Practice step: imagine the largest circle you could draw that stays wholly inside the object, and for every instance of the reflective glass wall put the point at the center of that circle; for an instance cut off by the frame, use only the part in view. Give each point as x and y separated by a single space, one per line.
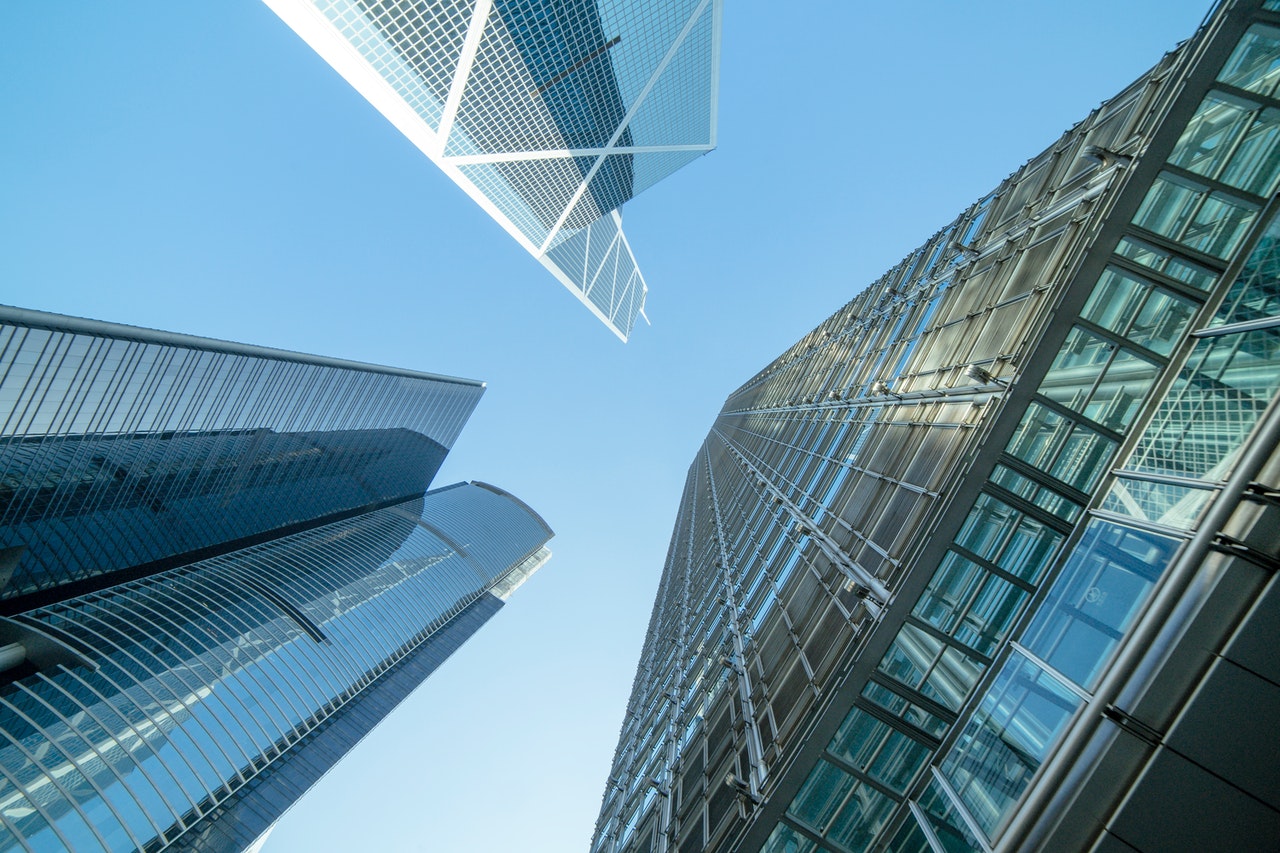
914 546
202 683
121 447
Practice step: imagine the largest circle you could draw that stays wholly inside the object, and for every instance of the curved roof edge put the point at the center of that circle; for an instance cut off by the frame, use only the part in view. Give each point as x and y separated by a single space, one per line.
499 491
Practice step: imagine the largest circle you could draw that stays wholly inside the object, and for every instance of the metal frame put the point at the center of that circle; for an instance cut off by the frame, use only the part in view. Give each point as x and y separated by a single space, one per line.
304 18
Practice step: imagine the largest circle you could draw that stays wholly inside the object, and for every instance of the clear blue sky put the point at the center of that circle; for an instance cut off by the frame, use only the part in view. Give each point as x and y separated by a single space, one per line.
195 167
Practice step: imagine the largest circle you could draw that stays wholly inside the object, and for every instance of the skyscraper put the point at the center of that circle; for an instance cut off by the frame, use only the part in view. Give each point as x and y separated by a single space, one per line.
221 571
549 115
987 560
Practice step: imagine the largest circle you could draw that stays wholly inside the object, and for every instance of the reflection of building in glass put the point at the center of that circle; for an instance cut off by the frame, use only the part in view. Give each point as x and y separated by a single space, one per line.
987 560
550 115
221 572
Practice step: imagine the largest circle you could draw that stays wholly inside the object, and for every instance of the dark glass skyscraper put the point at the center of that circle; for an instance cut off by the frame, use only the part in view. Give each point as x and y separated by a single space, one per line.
220 571
987 560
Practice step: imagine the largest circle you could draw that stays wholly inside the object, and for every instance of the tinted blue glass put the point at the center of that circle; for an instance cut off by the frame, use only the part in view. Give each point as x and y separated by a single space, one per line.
1101 590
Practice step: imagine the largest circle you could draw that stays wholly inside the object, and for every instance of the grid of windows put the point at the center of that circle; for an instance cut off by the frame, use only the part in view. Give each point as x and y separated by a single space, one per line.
795 549
555 112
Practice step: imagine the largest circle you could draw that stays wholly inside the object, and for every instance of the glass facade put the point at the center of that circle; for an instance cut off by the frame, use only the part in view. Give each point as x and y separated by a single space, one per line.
221 570
923 558
550 114
204 676
121 447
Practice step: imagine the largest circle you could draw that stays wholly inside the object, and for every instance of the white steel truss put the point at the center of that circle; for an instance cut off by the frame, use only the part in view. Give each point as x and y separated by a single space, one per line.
463 85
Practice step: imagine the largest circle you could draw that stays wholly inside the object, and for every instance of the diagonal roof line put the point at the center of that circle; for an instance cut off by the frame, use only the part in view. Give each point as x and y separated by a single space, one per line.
626 120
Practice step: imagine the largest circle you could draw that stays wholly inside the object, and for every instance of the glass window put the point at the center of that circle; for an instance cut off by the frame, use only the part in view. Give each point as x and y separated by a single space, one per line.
1255 63
786 839
945 820
970 603
1099 379
1008 538
936 669
1199 219
1219 225
1093 602
1150 317
860 821
1009 736
1070 452
1211 135
901 707
1041 496
879 750
1170 504
1255 294
1162 261
821 796
1204 420
1254 165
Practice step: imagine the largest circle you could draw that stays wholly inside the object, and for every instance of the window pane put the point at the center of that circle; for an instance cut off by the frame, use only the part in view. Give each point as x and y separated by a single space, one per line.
1211 135
1161 261
1170 504
860 821
822 794
1102 588
1168 207
1254 165
1008 738
1122 390
785 839
1255 293
1219 396
1219 226
1255 63
1076 369
946 822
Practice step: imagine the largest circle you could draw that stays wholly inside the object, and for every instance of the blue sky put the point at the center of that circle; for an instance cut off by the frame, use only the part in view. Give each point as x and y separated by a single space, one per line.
195 167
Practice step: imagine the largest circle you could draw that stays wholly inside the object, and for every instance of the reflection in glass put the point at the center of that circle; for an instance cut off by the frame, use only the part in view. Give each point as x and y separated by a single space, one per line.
1100 592
1006 740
